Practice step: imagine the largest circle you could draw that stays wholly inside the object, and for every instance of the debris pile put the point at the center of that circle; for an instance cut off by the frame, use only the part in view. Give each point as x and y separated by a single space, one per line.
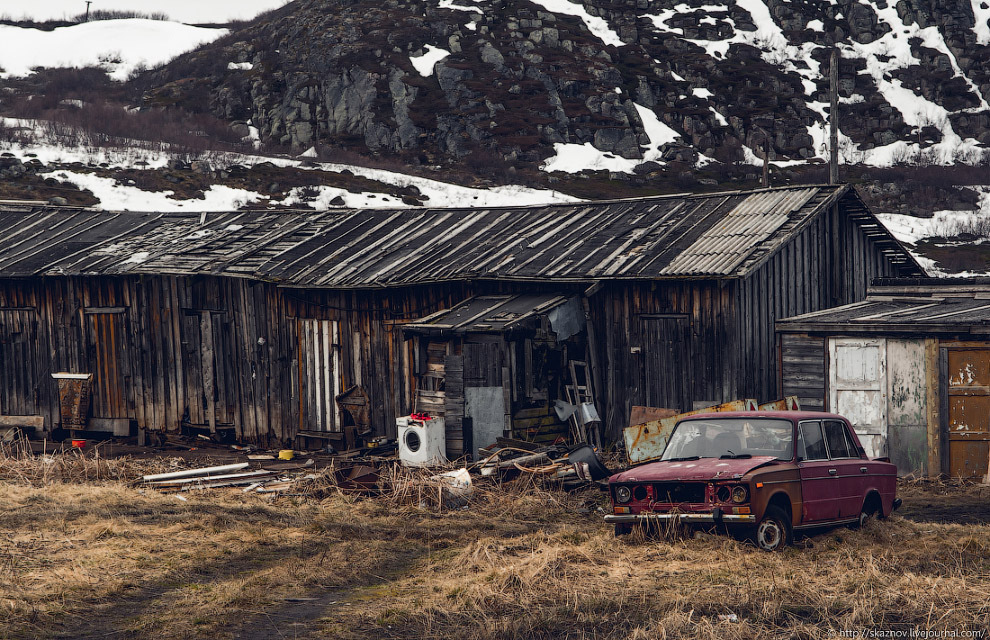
270 478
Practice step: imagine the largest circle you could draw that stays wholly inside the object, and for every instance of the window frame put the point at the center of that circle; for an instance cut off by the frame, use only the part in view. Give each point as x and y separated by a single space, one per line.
802 445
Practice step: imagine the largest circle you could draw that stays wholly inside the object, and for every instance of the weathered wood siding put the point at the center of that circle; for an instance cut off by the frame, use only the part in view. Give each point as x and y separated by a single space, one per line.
166 350
638 353
829 263
803 363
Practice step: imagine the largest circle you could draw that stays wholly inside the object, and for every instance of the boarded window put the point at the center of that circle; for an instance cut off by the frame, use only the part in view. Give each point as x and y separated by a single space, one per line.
20 368
319 380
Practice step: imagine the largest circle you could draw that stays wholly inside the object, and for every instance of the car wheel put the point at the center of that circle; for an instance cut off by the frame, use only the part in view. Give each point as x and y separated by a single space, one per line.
869 512
773 533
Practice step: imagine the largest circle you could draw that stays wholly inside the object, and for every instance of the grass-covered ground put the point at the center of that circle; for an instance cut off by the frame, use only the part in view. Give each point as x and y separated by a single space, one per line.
85 554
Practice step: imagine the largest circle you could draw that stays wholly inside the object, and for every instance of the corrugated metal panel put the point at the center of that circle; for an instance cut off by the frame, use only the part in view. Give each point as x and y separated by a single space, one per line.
708 235
723 247
931 307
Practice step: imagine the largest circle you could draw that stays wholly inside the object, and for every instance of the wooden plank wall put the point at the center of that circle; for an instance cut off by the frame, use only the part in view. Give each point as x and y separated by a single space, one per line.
617 312
141 338
830 263
804 368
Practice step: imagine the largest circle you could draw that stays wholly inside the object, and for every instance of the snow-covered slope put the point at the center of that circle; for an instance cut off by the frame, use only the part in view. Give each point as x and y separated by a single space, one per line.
119 46
188 11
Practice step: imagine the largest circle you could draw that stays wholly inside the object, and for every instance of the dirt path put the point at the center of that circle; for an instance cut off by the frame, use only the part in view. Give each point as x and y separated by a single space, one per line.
300 617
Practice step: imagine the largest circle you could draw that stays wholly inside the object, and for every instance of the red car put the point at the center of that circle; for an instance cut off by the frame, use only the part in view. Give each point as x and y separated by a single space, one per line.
764 474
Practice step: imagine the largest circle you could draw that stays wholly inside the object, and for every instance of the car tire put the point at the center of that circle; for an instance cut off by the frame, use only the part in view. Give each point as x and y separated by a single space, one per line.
867 513
773 532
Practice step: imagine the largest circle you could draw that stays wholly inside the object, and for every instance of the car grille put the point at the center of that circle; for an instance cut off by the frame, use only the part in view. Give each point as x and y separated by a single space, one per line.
679 492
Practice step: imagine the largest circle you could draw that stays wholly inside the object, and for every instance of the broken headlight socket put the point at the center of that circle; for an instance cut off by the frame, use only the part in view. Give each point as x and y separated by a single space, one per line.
740 494
723 493
622 494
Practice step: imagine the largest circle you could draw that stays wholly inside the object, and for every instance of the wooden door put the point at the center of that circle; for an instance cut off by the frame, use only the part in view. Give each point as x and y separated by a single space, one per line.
857 388
209 375
22 363
667 364
966 386
319 374
109 356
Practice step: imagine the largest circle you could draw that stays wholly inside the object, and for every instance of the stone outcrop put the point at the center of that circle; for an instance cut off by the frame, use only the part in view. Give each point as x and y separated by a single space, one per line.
519 78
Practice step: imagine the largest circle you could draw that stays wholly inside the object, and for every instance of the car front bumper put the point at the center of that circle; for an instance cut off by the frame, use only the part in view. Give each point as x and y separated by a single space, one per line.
709 517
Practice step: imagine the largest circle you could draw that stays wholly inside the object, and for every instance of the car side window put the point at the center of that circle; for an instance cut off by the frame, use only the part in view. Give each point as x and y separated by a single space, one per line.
854 450
812 444
838 440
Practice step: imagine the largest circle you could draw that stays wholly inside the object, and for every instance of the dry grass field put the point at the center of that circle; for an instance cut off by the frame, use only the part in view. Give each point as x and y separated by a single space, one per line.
83 554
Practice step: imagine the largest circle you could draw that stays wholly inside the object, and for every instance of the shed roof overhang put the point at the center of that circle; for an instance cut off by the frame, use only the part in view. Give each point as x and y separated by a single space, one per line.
501 314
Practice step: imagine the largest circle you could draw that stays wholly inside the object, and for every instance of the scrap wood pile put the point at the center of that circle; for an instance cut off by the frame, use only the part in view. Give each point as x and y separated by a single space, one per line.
507 466
268 479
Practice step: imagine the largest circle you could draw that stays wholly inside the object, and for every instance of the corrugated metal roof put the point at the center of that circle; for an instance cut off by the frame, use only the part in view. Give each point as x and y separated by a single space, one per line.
712 235
487 314
953 306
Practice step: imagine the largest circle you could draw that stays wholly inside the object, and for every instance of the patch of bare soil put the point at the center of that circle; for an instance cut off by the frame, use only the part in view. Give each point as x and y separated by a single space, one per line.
952 501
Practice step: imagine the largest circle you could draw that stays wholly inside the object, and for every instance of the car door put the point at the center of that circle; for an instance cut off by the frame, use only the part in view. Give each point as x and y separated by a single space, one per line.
851 470
818 474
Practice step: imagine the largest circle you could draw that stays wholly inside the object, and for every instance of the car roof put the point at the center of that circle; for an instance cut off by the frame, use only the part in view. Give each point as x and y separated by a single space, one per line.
785 415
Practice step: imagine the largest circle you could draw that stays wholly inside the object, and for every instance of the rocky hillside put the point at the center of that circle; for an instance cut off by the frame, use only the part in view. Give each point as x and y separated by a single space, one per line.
604 84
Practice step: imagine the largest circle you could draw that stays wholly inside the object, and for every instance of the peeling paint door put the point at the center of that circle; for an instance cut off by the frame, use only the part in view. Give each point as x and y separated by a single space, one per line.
319 380
857 382
968 420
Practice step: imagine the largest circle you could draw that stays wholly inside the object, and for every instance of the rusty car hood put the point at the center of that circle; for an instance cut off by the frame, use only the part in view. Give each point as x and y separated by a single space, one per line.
703 469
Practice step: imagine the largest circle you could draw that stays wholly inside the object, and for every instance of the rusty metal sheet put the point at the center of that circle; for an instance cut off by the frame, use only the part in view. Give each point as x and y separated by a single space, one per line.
73 398
640 415
790 403
646 442
968 422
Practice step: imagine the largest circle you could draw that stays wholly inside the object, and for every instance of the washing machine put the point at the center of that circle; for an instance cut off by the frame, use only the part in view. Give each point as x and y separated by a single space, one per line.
422 440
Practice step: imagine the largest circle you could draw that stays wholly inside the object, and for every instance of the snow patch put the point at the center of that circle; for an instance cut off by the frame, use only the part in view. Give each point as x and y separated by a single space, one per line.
239 66
449 4
598 26
424 64
574 158
981 11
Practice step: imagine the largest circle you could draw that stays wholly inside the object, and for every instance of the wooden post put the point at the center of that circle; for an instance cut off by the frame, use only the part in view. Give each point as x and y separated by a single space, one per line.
833 119
88 2
766 160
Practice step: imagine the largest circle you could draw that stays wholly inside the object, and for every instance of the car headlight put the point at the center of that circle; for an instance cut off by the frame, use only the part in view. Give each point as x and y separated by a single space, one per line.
739 494
622 494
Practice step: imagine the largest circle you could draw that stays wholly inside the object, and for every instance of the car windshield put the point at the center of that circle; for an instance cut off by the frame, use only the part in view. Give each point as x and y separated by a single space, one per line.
731 437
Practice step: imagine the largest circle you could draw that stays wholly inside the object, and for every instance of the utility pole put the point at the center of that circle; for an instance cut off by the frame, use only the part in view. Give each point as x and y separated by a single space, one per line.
833 118
88 2
766 160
